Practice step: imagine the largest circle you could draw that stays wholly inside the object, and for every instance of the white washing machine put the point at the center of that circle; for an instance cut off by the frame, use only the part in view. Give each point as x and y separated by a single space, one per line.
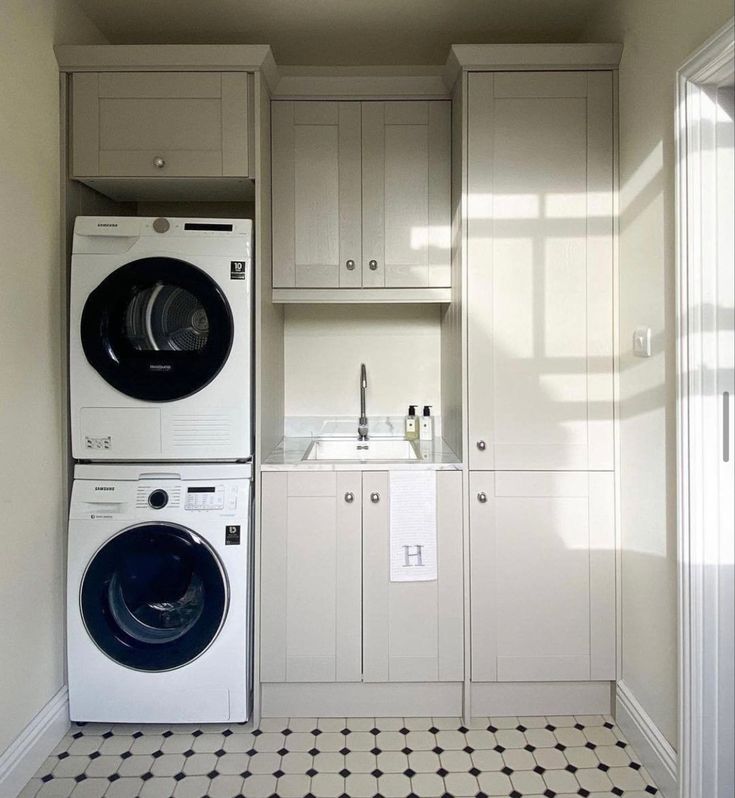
159 593
161 339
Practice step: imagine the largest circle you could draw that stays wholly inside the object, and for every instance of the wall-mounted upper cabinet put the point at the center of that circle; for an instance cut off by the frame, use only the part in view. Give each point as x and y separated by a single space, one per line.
361 201
135 134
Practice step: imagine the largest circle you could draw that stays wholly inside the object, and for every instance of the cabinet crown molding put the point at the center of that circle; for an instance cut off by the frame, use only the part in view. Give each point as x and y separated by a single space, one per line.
498 57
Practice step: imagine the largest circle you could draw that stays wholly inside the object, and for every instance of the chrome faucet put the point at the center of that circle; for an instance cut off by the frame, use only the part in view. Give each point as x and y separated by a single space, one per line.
362 429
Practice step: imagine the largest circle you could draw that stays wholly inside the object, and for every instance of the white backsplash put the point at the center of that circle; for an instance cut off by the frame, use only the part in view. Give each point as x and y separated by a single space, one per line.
346 426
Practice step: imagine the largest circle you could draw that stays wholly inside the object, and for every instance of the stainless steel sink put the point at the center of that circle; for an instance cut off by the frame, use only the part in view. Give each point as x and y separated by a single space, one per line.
386 450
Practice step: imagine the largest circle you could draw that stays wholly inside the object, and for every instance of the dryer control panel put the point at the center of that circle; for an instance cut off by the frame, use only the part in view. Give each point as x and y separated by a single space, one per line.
211 497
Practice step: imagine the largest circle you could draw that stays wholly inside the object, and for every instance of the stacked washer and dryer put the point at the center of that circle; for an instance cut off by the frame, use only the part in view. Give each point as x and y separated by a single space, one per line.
159 605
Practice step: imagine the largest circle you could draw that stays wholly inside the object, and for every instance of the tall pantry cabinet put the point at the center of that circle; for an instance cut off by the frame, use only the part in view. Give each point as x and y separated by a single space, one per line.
540 375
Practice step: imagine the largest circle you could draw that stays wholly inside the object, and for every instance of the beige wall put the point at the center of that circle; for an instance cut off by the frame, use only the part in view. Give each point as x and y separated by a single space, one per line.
33 507
325 344
658 36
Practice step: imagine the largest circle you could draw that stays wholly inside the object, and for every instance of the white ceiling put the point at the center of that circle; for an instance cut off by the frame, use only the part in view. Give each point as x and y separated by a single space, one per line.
342 32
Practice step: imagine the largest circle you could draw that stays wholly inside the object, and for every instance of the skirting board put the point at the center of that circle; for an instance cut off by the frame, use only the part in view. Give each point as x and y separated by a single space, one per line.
22 758
541 698
348 699
652 747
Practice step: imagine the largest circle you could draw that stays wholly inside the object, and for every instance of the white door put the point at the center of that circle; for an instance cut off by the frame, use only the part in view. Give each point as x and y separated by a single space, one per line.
316 194
406 194
540 236
542 576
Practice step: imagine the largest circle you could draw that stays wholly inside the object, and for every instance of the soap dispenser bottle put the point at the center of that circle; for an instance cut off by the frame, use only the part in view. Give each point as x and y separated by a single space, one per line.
426 425
412 424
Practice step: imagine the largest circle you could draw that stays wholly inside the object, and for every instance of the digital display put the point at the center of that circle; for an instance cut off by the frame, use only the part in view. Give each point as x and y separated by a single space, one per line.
224 228
200 490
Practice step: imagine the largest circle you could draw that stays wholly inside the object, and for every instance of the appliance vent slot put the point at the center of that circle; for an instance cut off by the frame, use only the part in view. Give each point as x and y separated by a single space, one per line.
201 431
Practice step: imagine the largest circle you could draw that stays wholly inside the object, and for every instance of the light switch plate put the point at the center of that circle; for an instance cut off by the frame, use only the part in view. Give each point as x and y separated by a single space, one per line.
642 342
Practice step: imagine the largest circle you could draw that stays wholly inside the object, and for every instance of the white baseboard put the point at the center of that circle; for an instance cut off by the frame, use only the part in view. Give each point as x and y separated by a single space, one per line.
22 758
654 750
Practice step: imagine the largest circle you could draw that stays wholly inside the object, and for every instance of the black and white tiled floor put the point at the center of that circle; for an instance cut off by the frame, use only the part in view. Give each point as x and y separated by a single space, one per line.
354 757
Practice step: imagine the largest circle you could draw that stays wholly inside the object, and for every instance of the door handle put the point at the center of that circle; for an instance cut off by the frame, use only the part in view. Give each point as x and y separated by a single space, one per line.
374 498
349 497
726 426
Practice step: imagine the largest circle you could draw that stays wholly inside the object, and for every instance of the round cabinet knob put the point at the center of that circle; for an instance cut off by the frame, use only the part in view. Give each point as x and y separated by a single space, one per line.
350 265
349 497
374 498
158 499
373 264
159 162
481 445
482 497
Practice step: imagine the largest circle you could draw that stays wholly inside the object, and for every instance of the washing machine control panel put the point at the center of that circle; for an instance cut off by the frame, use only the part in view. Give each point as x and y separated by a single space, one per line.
211 497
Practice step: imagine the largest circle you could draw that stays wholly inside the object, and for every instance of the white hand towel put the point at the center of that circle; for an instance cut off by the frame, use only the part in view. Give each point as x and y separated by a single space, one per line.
413 548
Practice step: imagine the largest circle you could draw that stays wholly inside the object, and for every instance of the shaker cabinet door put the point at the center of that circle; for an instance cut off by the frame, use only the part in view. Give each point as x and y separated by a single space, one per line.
540 270
311 562
316 194
412 631
542 576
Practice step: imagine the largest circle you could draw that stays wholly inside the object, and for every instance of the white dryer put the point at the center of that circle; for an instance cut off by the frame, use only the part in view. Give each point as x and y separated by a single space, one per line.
159 593
161 339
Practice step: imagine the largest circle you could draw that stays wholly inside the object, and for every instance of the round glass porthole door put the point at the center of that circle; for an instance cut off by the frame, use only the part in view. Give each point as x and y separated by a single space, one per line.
154 597
157 329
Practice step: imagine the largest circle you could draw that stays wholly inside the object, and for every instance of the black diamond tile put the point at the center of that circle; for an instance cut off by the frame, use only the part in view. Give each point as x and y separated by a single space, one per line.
187 754
375 731
499 749
309 795
441 772
507 770
571 768
463 729
377 773
403 730
406 750
438 750
80 722
285 732
222 752
578 726
344 751
560 747
246 774
344 795
344 773
492 728
199 733
63 755
515 794
521 728
412 795
651 790
227 733
634 765
375 751
591 746
251 752
282 751
621 744
257 732
345 731
581 791
538 769
607 725
147 776
549 727
475 771
468 749
115 777
97 754
433 730
313 751
180 776
603 767
80 777
77 735
617 791
213 774
109 734
137 735
481 795
167 733
447 795
549 793
409 772
529 747
278 773
316 732
127 755
311 772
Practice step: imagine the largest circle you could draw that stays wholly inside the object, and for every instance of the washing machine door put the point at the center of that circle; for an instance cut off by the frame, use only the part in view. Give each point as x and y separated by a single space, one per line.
157 329
154 597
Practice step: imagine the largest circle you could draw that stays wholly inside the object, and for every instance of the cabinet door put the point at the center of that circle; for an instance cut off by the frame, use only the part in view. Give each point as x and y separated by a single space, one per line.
406 194
542 576
412 631
540 280
316 194
160 124
310 609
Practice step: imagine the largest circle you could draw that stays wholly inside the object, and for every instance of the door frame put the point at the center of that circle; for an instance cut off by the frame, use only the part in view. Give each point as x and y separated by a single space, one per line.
695 249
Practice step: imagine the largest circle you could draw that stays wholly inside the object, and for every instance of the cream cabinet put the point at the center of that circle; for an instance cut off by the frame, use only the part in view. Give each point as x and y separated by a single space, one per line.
540 270
361 194
329 612
542 576
161 124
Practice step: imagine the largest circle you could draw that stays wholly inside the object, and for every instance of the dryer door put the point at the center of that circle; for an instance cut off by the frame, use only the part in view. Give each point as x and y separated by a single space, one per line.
157 329
154 597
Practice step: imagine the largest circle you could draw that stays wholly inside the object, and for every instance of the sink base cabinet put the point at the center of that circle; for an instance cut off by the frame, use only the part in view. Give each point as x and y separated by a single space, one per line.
328 610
